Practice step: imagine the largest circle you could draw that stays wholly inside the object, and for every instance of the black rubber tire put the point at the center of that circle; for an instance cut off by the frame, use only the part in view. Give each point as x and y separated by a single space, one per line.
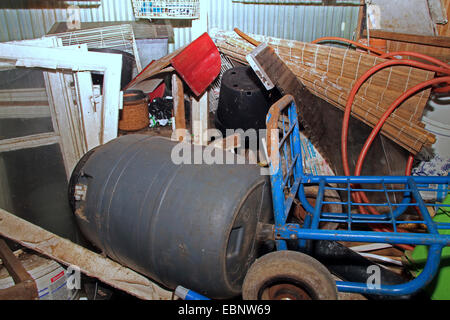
288 269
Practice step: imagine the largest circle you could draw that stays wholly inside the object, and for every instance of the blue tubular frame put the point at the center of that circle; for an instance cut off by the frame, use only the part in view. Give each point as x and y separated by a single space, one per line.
289 181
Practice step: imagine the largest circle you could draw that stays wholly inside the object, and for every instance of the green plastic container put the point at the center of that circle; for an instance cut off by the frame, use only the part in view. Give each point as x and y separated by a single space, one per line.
439 288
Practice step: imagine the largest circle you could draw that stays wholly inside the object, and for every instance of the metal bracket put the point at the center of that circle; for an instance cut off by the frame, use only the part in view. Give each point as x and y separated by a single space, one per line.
262 75
265 231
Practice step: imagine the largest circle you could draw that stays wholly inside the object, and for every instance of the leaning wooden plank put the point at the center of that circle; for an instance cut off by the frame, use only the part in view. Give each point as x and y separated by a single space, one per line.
25 287
69 253
150 84
286 81
319 119
150 72
13 265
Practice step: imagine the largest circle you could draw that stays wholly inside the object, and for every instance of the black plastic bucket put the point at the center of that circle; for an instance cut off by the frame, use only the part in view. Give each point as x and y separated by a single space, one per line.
127 67
243 100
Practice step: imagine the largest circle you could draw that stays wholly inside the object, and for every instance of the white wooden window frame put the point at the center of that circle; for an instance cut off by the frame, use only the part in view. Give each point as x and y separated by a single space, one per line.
97 120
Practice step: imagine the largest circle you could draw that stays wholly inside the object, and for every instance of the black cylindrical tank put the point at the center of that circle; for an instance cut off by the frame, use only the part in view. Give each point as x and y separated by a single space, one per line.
243 100
188 224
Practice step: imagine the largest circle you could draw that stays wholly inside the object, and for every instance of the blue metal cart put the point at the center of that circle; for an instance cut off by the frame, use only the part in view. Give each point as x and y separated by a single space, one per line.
288 181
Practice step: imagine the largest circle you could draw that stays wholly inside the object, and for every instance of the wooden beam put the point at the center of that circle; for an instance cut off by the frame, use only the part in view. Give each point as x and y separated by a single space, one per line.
287 82
178 107
25 287
438 41
70 254
12 264
199 120
199 109
23 291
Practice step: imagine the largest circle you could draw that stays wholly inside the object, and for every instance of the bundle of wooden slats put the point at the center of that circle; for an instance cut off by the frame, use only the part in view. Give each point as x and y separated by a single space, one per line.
331 72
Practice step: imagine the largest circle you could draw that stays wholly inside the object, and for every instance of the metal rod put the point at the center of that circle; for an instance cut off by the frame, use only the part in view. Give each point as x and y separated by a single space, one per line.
318 208
286 230
425 277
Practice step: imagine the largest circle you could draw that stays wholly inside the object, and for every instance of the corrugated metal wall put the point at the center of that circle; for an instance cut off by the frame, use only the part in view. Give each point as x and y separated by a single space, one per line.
278 18
19 24
298 22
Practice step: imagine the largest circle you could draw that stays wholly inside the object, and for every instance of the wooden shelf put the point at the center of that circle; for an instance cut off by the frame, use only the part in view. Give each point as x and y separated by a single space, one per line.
437 41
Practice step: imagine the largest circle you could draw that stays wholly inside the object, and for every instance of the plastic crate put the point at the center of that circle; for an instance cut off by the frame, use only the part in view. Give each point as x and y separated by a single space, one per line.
166 9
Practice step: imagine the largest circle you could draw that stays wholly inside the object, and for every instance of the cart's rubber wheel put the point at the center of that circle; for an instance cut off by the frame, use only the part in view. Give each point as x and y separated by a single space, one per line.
288 275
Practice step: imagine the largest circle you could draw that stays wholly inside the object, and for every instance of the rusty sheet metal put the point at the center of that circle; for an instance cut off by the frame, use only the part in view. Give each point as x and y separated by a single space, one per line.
412 16
69 253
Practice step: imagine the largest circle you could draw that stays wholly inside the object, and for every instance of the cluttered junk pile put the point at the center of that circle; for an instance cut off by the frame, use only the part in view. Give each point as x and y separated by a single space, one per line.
320 222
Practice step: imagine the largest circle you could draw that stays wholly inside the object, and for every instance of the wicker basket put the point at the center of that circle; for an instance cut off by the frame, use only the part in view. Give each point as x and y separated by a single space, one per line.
169 9
135 111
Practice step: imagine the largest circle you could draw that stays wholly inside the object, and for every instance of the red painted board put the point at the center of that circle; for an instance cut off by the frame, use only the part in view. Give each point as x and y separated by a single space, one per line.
158 92
198 64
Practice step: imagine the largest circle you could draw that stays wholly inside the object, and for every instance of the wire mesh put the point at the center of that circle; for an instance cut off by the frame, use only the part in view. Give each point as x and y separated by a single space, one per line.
169 9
